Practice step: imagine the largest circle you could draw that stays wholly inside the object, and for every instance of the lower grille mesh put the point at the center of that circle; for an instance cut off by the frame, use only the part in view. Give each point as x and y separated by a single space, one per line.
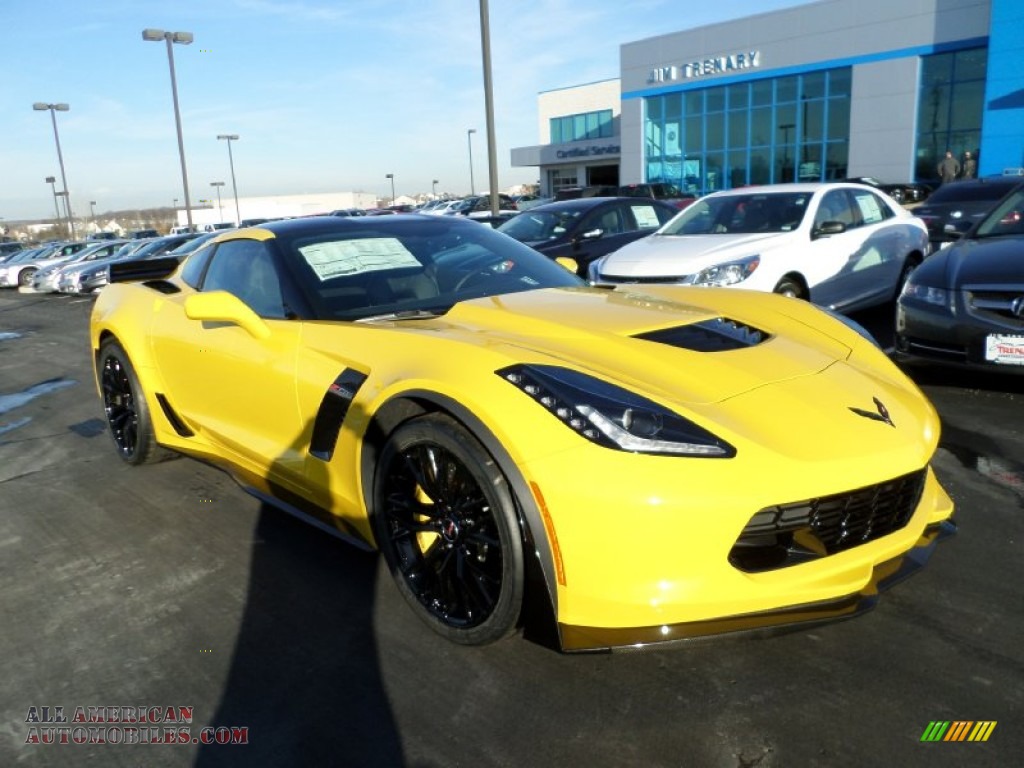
787 534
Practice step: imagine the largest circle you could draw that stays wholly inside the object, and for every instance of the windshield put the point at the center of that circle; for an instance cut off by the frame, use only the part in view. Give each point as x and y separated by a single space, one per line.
741 214
537 226
413 264
1007 218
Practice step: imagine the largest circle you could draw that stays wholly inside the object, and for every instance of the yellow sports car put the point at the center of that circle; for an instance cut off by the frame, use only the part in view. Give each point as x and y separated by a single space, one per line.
651 464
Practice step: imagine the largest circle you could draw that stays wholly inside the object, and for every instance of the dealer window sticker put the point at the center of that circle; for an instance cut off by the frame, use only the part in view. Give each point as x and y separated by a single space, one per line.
646 217
340 258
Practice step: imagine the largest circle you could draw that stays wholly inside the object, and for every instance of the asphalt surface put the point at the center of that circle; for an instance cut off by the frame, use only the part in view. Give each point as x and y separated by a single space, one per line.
167 586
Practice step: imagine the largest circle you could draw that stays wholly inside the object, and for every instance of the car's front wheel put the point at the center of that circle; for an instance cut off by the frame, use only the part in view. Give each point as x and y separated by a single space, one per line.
125 407
787 286
446 523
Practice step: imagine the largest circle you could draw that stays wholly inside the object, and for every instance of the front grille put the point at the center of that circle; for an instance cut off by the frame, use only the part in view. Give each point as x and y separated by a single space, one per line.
996 307
788 534
631 280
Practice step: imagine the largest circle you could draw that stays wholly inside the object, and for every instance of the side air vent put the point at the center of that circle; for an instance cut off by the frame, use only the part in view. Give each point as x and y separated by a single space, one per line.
717 335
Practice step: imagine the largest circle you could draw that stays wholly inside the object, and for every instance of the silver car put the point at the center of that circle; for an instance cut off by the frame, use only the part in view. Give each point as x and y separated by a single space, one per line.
19 273
47 279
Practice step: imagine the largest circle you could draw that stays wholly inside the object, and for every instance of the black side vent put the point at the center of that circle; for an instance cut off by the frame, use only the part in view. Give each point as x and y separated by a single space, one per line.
717 335
143 269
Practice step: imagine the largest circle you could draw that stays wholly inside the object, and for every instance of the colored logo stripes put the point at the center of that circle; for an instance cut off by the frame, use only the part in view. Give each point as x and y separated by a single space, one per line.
958 730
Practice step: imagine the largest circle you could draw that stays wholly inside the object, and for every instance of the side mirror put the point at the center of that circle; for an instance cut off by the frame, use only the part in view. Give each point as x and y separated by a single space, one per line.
224 307
828 228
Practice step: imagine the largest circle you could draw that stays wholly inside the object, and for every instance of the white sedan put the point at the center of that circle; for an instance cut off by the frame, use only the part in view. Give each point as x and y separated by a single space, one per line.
842 246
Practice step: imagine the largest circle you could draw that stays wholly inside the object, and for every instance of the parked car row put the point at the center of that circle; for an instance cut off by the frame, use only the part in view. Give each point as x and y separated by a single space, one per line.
959 288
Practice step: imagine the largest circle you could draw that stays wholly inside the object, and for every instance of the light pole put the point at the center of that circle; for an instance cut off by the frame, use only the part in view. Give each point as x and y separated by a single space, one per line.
40 106
469 140
229 137
492 154
92 211
220 211
392 177
434 188
53 186
183 38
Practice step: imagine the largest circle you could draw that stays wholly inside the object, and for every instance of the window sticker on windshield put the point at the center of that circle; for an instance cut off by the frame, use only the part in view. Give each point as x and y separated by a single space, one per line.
352 257
645 216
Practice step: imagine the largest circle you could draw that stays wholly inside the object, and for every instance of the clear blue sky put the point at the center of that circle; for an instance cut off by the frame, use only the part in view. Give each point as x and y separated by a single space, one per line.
326 95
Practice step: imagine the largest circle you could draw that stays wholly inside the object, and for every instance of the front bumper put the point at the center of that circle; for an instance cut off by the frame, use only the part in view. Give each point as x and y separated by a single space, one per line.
926 333
883 576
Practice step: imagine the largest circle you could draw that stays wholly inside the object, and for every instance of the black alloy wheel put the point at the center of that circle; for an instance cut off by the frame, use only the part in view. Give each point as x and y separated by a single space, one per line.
445 522
125 407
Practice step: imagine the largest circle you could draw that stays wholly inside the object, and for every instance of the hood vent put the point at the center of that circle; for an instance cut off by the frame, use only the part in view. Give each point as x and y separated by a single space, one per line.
717 335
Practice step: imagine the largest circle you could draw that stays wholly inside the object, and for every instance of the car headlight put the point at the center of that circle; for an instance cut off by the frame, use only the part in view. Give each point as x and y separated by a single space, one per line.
730 273
613 417
925 293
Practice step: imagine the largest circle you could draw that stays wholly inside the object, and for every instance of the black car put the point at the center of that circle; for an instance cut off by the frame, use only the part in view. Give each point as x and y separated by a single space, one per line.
905 192
965 304
589 227
670 193
955 207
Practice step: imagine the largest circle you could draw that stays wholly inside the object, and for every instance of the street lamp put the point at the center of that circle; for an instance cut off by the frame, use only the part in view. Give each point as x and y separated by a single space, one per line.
183 38
40 106
53 186
229 137
392 177
492 155
469 140
434 187
220 211
92 213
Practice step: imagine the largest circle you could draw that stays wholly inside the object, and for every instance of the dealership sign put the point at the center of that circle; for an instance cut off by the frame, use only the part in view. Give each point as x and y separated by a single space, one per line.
591 151
715 65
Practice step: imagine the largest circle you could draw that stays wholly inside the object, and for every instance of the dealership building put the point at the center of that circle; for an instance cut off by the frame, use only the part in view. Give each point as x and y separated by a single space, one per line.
821 91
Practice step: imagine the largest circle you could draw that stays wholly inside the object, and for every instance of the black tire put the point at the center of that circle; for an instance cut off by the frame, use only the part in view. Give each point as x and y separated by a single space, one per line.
446 525
126 409
908 267
787 286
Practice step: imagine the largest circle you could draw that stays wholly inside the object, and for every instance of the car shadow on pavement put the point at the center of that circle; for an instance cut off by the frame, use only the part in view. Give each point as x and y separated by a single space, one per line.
305 678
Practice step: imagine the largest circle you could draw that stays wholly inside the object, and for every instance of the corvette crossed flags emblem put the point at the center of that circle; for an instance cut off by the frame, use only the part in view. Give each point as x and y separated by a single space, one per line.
882 413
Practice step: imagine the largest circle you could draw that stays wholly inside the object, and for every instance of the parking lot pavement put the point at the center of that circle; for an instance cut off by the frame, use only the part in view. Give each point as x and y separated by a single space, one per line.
167 591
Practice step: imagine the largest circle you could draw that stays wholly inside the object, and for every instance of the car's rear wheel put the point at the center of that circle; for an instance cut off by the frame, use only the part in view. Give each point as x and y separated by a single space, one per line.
908 268
787 286
125 406
445 522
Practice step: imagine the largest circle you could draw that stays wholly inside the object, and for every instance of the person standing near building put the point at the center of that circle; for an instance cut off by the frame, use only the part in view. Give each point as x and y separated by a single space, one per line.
970 166
949 168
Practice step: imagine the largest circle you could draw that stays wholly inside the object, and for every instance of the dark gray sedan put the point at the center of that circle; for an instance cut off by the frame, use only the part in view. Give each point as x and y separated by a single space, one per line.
965 304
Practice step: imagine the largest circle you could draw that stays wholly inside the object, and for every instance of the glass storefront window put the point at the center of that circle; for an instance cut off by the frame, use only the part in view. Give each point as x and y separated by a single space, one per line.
951 101
766 131
785 89
590 125
761 92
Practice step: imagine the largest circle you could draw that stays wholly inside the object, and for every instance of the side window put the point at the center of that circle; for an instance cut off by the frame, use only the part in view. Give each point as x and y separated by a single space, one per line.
645 217
873 209
835 206
246 269
195 265
607 219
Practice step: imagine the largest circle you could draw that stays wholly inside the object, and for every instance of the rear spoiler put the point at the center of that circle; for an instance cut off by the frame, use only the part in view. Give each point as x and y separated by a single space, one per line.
143 269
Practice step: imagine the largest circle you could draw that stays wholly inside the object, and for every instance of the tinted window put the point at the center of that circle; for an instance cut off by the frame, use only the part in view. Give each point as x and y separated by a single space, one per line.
246 269
195 265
